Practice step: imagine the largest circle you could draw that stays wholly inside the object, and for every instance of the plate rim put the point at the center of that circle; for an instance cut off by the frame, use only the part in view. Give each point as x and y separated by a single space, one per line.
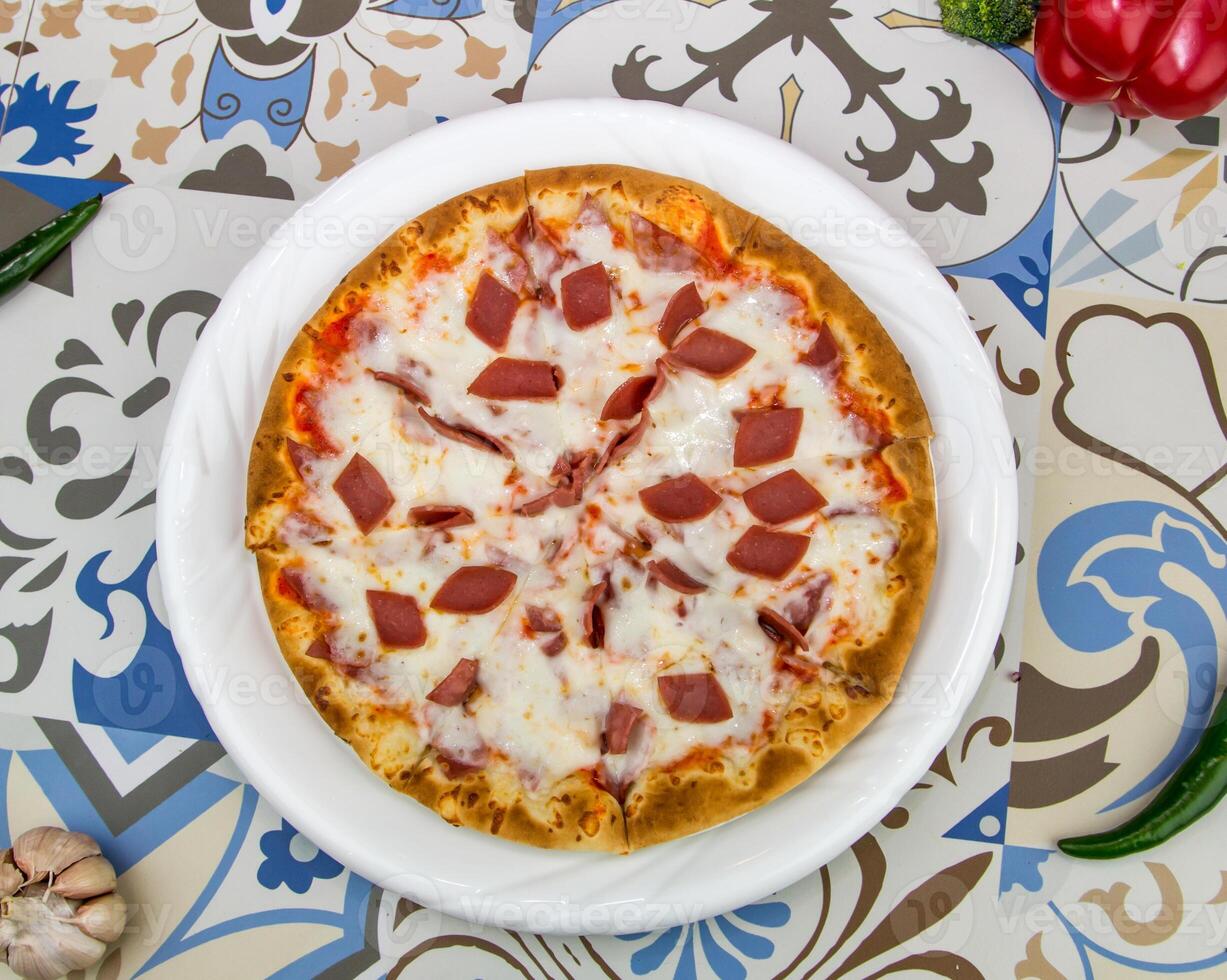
553 916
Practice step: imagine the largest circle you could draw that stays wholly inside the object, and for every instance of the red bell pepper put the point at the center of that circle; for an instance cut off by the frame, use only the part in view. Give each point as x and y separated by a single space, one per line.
1142 57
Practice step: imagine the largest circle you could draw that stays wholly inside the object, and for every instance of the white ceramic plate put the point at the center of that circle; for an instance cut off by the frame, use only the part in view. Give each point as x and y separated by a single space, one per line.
310 776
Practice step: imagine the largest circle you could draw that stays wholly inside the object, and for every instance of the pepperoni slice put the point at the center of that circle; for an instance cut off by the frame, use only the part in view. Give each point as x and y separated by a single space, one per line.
694 697
823 352
515 379
507 260
440 516
456 687
542 620
794 663
869 433
594 617
783 498
620 722
572 472
583 466
780 629
398 621
660 250
474 589
592 213
662 379
801 611
454 768
558 497
299 527
302 458
522 233
491 311
554 645
543 256
766 435
585 296
320 649
767 554
415 393
465 434
624 442
684 498
669 575
626 400
302 588
710 352
364 492
683 306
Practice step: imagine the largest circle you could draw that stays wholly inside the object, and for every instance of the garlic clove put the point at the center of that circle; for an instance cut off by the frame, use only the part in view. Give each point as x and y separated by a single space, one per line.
103 917
10 880
44 945
46 850
88 877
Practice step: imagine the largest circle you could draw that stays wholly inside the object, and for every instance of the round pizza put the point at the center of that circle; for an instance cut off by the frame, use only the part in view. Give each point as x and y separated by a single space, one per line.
593 510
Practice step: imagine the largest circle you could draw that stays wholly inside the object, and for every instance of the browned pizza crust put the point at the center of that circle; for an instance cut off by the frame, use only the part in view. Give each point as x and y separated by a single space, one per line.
575 815
873 364
696 214
663 803
678 800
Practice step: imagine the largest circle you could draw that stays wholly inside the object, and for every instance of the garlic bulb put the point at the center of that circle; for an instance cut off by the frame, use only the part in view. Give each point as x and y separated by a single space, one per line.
58 905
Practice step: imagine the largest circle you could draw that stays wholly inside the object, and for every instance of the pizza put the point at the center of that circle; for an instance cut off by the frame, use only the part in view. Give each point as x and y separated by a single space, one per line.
592 510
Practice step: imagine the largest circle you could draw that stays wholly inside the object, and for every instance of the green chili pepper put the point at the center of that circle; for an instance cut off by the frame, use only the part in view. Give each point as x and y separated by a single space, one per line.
30 255
1192 792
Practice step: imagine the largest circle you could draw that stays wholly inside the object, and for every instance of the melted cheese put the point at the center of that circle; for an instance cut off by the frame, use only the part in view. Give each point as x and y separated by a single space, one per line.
545 714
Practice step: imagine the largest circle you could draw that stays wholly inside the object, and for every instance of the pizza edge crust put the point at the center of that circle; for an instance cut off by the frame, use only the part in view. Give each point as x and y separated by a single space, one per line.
658 197
575 814
671 802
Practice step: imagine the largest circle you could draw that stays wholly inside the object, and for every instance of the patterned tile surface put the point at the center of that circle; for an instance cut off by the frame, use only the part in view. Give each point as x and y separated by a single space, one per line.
1089 252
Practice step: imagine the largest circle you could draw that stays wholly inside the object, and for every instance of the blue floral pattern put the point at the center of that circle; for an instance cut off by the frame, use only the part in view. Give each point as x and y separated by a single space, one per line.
727 965
48 113
281 867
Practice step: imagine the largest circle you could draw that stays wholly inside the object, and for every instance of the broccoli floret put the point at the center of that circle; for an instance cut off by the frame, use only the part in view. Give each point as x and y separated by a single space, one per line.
991 21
